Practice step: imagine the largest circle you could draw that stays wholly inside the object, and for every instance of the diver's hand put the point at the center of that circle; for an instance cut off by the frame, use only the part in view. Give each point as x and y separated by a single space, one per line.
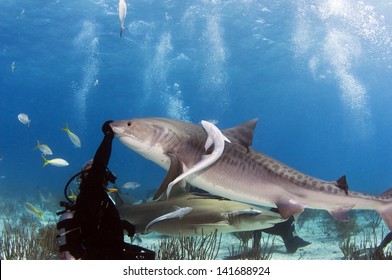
107 129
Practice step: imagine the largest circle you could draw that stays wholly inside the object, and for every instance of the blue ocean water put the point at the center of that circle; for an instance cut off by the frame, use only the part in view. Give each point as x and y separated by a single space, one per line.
317 75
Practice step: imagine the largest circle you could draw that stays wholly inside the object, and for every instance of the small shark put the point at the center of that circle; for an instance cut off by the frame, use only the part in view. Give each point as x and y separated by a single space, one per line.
201 214
242 174
209 214
122 13
215 137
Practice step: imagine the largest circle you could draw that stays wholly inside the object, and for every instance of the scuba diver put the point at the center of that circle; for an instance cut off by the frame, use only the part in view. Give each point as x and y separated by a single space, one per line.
91 228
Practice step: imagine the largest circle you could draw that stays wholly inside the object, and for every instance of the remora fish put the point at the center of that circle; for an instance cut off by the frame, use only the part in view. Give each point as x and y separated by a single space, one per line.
215 137
179 212
122 13
243 174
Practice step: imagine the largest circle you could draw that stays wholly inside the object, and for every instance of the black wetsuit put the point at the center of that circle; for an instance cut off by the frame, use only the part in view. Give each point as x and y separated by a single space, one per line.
99 220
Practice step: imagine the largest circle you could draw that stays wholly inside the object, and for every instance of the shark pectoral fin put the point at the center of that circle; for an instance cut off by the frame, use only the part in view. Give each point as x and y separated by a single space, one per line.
341 183
288 208
340 214
174 171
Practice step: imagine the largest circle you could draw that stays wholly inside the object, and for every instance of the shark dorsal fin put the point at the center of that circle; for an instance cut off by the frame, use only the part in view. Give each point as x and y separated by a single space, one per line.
242 133
341 183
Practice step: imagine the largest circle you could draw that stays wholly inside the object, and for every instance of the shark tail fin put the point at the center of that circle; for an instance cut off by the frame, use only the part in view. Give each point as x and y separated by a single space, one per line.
293 243
286 231
121 29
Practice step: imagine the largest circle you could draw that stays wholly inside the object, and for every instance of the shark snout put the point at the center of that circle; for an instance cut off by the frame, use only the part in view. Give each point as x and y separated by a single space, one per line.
117 130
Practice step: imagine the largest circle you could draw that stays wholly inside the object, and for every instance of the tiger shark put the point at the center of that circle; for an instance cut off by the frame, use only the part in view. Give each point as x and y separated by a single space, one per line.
241 173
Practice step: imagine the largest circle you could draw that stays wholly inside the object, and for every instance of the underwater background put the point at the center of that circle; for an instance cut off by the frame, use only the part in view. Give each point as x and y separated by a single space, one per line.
317 75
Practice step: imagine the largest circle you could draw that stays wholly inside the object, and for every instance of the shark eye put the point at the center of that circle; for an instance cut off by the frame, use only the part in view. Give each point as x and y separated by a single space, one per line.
129 123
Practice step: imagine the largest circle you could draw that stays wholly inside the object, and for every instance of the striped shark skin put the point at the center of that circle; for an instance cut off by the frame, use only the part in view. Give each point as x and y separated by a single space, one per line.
215 137
243 174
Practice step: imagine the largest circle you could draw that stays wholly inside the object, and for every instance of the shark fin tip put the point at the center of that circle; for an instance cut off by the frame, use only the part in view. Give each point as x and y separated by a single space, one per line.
288 209
342 184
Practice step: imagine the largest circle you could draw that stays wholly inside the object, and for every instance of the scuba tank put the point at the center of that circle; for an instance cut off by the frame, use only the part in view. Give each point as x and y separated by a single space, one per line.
69 236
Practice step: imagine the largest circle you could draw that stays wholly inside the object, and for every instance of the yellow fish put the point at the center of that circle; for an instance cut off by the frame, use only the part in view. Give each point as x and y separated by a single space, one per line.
43 148
74 138
31 208
112 190
72 195
59 162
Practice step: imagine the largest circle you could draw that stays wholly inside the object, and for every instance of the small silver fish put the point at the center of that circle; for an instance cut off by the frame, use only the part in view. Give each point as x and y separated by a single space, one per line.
24 118
72 136
130 185
43 148
122 13
59 162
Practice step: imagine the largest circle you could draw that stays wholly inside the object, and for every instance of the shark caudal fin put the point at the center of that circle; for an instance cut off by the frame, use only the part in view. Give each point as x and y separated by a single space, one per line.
286 231
386 211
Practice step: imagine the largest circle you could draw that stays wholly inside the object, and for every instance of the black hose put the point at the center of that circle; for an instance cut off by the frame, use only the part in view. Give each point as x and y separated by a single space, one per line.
67 185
